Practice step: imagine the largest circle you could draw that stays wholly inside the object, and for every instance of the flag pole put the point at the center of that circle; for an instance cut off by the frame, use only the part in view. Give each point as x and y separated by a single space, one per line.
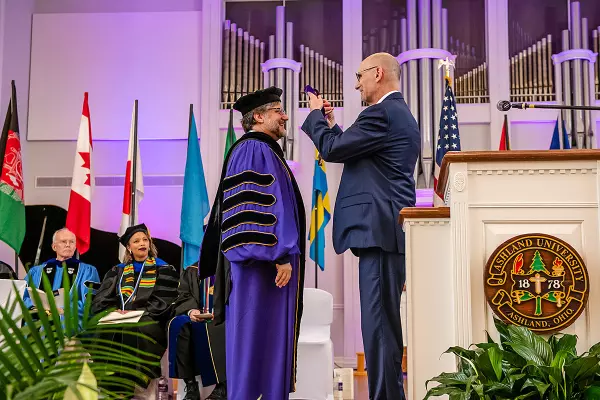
316 246
41 241
134 165
507 132
13 111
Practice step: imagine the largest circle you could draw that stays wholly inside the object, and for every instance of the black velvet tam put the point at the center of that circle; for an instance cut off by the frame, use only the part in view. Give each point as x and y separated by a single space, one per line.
249 102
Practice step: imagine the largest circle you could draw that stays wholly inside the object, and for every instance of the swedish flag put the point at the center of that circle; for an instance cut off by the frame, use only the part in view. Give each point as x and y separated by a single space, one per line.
320 215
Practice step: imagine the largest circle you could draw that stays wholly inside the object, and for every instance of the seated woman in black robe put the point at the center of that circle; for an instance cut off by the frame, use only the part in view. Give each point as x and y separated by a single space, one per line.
141 282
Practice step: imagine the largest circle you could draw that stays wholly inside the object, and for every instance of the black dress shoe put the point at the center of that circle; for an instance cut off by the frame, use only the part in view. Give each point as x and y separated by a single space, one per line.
219 393
192 392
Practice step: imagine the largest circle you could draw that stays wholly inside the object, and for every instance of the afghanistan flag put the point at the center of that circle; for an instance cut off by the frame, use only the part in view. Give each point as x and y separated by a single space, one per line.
12 207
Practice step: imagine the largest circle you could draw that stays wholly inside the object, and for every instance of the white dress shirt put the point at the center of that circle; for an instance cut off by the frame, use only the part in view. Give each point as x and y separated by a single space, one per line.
386 95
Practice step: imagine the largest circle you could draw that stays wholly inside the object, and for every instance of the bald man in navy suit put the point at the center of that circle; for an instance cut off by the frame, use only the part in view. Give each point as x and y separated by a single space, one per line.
379 152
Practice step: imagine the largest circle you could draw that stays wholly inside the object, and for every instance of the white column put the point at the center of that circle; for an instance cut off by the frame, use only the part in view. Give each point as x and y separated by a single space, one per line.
459 186
352 56
496 33
213 15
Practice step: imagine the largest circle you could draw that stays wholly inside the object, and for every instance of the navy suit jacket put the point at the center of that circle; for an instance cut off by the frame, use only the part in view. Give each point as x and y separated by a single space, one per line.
379 152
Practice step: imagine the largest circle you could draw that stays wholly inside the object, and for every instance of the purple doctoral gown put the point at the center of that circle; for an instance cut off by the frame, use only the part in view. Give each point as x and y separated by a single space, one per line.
261 226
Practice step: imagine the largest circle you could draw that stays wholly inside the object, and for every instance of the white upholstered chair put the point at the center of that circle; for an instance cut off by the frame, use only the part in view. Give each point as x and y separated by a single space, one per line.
7 293
314 378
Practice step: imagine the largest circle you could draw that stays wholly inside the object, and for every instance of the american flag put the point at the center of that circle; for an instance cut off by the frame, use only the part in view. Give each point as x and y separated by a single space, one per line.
448 138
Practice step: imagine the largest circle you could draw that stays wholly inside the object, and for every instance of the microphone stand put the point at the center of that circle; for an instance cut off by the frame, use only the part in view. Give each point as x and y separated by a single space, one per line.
504 105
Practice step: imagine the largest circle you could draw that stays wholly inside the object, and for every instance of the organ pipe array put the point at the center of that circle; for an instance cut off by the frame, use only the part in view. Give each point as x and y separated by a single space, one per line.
321 73
577 88
471 87
532 72
242 56
596 43
242 73
471 81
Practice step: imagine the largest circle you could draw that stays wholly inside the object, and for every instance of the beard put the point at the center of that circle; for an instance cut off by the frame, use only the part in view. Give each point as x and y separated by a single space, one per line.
276 129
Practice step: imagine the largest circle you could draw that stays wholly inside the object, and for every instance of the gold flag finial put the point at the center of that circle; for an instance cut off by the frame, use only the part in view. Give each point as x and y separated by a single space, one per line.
447 63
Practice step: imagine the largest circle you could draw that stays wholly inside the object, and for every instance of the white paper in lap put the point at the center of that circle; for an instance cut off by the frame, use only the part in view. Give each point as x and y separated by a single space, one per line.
118 318
59 298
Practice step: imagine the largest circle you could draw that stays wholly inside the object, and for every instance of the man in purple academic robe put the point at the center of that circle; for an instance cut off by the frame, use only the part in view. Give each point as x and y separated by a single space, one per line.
254 245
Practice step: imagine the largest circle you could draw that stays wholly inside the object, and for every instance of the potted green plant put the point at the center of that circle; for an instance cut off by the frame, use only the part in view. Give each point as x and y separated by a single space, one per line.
523 365
52 355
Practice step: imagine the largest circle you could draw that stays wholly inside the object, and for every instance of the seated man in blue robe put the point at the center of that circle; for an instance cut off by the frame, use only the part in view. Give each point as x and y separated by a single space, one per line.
81 275
196 345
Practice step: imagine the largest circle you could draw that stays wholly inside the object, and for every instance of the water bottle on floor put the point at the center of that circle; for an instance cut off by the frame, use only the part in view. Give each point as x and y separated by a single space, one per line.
163 389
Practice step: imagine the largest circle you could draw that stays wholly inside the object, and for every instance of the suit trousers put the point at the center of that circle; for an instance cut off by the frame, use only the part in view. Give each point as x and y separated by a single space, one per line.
381 280
185 354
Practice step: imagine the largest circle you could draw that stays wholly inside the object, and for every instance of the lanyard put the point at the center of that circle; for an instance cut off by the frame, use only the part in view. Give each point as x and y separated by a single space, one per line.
134 289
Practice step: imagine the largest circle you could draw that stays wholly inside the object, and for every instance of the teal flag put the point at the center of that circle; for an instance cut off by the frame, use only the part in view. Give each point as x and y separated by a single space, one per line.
194 205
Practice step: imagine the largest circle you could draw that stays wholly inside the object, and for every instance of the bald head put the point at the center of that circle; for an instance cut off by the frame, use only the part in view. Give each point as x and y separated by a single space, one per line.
64 243
389 64
377 75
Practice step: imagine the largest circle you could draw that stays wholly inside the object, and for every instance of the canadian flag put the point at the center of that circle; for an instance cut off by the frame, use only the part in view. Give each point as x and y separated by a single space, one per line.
139 184
79 214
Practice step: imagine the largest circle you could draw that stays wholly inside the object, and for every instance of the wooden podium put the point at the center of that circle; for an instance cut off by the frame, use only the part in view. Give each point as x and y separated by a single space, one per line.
491 197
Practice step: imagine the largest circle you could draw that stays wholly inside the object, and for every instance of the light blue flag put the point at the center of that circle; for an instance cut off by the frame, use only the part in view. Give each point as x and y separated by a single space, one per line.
194 205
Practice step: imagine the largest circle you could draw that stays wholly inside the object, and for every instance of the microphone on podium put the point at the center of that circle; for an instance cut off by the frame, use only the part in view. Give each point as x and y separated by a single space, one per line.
504 105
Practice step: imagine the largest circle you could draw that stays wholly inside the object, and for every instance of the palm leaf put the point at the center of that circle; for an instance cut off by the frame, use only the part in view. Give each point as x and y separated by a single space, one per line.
86 383
13 337
71 309
46 326
33 333
50 356
88 304
54 310
14 375
89 342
